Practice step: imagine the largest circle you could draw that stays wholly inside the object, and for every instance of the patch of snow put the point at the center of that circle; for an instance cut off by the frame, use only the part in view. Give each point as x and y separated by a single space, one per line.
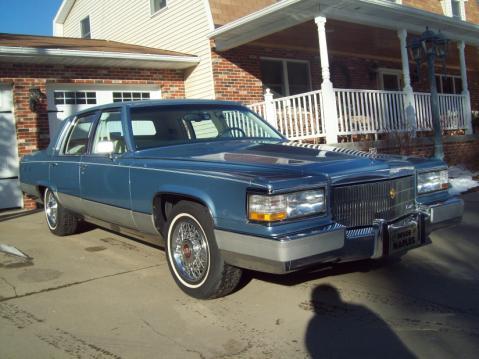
461 180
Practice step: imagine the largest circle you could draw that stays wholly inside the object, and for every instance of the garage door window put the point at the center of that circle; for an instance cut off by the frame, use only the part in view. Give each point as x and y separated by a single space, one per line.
75 98
130 96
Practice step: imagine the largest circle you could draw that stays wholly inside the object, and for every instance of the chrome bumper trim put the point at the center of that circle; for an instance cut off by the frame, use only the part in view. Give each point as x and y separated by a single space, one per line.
330 243
445 211
272 255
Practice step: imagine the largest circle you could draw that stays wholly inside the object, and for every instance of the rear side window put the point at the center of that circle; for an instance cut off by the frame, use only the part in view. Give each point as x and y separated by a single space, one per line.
77 143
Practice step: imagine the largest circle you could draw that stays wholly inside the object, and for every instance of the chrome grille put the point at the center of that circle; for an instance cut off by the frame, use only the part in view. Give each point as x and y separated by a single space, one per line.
360 204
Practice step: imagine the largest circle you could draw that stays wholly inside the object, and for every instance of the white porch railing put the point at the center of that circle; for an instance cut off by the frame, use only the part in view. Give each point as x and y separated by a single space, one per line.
452 111
297 117
300 117
369 111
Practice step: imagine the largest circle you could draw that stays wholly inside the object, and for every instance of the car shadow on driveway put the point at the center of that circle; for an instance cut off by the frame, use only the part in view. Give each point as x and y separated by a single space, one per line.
344 330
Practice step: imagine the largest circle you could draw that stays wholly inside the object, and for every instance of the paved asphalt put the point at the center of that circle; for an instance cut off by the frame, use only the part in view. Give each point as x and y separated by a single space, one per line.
100 295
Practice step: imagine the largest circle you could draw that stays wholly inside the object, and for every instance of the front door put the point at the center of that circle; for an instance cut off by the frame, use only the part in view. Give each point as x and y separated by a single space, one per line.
105 183
10 193
65 168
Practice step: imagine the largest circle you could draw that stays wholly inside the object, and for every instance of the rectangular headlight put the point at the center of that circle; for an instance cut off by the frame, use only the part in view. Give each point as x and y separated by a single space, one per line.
432 181
267 208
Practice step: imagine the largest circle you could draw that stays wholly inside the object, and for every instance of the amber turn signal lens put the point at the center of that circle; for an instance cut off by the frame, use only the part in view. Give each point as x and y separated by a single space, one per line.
267 217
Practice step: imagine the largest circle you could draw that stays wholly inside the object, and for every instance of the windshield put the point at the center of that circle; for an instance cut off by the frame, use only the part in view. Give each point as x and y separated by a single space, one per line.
170 125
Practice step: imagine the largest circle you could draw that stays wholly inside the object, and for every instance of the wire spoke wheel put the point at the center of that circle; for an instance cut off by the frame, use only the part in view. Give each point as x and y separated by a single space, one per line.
190 250
51 209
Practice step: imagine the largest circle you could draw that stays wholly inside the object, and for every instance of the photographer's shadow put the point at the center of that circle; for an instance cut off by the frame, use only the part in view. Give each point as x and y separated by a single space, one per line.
344 330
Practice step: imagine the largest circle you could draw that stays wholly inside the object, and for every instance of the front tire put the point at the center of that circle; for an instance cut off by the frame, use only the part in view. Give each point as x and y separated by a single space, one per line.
193 256
60 221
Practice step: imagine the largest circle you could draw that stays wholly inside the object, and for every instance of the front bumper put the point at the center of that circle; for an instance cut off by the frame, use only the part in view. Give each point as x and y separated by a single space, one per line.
332 243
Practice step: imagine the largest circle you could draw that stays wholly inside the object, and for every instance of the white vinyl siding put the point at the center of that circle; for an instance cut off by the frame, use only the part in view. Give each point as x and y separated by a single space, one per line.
183 27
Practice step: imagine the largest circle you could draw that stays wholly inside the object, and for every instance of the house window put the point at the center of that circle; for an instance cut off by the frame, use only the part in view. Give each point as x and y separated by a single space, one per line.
157 5
285 77
85 28
449 84
130 96
454 8
75 98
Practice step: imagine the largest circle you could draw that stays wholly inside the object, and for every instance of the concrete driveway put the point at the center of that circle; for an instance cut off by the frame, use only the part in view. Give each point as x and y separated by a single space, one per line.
100 295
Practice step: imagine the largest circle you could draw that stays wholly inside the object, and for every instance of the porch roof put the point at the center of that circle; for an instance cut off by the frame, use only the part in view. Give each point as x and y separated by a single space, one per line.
380 13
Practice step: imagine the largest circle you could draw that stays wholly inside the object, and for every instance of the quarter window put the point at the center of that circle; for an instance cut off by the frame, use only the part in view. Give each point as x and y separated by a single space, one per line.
157 5
285 77
77 143
85 28
75 98
130 96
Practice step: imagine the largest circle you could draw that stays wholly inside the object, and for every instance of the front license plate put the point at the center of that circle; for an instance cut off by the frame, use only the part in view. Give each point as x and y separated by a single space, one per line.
403 237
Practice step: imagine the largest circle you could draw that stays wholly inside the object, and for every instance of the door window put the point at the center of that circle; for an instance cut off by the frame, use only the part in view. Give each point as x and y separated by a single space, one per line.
109 136
77 143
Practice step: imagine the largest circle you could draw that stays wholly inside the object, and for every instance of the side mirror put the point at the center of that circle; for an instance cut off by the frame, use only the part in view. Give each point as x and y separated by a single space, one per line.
104 147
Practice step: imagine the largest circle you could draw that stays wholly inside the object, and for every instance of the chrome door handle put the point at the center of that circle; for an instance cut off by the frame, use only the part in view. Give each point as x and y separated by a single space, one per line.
53 164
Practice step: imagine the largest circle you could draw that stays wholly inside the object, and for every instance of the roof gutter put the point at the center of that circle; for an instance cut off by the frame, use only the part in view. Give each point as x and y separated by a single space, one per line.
36 52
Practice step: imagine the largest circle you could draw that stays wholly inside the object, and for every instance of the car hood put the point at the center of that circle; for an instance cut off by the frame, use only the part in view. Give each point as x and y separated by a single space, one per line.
280 161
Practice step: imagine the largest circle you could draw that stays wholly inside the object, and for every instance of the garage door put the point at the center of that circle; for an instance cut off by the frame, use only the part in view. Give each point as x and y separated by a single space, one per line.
66 100
10 194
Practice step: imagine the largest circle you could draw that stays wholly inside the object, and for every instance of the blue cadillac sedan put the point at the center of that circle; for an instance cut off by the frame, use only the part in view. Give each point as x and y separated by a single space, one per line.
222 191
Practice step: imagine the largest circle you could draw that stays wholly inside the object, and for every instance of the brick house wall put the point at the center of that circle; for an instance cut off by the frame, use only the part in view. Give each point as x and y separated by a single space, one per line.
32 128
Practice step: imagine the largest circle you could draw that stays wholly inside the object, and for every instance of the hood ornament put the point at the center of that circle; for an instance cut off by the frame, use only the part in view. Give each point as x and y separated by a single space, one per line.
392 193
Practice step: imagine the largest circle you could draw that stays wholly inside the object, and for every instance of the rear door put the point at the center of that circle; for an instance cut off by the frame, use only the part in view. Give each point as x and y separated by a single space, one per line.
10 193
65 166
105 182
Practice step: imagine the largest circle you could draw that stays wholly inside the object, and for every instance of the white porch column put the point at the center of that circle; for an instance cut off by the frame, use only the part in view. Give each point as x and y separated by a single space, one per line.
409 103
465 88
329 111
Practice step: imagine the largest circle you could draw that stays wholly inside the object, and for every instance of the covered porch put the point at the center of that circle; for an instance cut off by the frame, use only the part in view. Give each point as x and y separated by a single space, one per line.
336 73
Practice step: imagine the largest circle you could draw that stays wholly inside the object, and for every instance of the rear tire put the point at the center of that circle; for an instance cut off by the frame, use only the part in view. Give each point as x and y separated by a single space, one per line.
193 256
60 221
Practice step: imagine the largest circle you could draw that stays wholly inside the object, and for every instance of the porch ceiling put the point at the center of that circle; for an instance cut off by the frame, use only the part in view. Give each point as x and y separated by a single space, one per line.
379 13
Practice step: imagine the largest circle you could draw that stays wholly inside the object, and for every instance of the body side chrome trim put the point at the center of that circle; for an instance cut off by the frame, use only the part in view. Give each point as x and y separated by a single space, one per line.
150 238
108 213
